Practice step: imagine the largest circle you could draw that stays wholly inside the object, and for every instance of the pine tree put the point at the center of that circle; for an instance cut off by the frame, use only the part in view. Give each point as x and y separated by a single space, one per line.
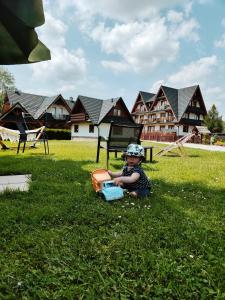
213 121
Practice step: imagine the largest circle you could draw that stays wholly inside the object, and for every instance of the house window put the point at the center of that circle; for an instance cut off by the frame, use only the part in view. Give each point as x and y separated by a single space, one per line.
117 131
162 128
91 128
116 112
194 103
151 128
185 128
170 127
76 128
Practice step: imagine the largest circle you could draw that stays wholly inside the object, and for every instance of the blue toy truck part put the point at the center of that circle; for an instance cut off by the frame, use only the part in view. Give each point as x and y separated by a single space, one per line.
110 191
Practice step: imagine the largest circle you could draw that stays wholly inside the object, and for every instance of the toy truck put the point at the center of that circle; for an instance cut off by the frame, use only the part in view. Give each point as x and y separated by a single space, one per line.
104 186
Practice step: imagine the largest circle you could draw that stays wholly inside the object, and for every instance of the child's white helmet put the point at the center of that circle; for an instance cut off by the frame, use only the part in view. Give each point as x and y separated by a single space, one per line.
135 150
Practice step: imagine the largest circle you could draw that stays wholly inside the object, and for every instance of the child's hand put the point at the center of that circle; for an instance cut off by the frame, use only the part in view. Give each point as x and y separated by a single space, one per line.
118 181
110 173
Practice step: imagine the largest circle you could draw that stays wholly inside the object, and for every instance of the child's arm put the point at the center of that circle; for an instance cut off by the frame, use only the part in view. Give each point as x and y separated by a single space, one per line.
114 174
127 179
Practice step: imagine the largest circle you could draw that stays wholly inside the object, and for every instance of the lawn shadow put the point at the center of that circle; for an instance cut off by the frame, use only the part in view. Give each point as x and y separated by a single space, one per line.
174 238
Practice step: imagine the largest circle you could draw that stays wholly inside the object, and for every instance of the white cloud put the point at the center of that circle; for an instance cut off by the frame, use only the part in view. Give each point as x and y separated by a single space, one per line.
156 85
220 43
66 67
188 8
140 39
124 11
53 32
186 29
174 16
143 45
115 66
194 73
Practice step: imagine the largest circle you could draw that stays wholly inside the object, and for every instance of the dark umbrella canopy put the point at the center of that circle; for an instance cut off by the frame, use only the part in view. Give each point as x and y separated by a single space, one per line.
19 43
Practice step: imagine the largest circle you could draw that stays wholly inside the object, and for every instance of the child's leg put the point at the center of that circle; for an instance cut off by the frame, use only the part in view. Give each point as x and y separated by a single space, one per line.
133 194
140 193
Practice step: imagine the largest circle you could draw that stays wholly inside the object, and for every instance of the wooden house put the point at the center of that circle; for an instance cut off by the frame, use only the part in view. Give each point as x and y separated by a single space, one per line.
171 112
53 112
91 117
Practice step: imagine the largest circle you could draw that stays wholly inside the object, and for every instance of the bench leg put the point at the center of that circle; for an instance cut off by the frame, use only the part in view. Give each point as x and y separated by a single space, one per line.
151 154
98 150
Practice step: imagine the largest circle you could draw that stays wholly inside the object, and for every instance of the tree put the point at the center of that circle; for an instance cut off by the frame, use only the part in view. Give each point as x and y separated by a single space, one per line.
213 121
6 81
6 78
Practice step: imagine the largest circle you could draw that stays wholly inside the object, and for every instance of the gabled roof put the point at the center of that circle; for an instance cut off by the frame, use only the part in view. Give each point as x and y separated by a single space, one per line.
97 109
29 101
184 96
172 96
36 105
92 107
178 98
15 105
70 103
147 97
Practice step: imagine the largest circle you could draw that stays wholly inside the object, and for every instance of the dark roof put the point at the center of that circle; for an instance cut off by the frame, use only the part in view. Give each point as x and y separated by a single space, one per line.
147 97
30 102
92 107
97 109
36 105
70 103
179 98
15 105
184 96
172 96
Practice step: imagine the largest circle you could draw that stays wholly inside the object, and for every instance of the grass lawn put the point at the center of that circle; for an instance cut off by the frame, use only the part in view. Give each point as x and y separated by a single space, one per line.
60 241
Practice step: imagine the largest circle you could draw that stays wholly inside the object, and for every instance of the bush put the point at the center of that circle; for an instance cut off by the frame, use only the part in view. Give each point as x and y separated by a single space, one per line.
58 134
219 143
214 139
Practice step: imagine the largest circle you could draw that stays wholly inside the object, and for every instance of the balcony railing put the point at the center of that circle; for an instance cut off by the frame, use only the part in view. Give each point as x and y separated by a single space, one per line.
78 117
195 110
191 122
60 117
160 120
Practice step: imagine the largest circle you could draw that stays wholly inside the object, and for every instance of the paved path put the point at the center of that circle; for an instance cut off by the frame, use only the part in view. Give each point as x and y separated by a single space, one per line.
199 146
15 182
205 147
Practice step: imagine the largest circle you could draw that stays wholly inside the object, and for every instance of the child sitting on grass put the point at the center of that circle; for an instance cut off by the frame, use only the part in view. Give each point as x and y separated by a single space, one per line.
132 176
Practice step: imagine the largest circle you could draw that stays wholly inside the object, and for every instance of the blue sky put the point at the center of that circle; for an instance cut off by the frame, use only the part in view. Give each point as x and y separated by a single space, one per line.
115 48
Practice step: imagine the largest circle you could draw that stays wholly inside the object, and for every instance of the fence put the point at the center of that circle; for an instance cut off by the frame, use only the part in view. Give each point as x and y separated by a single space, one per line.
160 136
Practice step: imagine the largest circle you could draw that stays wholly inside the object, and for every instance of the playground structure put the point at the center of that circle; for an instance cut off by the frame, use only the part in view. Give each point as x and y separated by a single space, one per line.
179 144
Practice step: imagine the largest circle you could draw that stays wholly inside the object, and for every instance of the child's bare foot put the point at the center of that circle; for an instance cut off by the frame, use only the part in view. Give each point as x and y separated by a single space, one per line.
133 194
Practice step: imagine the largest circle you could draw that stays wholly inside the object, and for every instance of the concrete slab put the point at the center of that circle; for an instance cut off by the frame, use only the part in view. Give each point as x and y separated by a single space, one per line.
15 182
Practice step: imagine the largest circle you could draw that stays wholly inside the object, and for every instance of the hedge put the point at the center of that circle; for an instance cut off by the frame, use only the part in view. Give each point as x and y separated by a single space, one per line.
58 134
